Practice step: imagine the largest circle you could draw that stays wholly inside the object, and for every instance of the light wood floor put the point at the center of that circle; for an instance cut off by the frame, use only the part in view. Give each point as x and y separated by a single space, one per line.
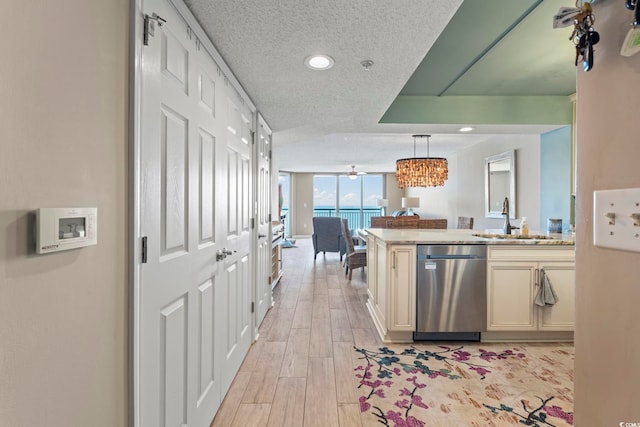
299 371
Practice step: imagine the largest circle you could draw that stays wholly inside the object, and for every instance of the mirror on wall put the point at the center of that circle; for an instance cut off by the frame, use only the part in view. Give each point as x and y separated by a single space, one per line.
500 182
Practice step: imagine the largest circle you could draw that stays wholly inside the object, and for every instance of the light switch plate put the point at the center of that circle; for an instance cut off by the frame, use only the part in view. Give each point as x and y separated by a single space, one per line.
615 215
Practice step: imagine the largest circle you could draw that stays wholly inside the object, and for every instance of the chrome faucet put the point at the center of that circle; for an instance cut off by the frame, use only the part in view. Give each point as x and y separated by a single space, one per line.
505 211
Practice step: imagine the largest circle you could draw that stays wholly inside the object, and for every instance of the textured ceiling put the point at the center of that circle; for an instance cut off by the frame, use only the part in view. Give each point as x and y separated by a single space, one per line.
325 121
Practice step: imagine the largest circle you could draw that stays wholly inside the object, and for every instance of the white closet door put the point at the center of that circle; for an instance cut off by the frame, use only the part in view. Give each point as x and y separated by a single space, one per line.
263 196
195 173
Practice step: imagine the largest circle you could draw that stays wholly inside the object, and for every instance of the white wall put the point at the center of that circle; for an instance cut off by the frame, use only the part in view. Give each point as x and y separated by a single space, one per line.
607 373
302 204
63 142
463 193
392 193
274 199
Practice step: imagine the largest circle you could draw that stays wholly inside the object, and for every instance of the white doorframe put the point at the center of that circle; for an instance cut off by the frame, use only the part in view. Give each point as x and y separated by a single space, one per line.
135 72
136 25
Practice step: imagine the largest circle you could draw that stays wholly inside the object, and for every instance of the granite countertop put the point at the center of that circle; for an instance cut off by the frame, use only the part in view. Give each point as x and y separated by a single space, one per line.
460 237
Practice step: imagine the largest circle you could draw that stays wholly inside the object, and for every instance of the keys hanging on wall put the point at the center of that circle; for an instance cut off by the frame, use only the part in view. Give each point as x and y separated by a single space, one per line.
584 36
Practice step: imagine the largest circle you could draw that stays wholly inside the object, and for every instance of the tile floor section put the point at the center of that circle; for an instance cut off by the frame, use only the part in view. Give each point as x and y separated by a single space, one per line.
300 371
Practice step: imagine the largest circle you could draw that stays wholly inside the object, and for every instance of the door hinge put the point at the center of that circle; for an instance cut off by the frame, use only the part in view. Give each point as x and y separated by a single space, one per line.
253 306
269 217
253 223
269 280
150 26
253 137
144 250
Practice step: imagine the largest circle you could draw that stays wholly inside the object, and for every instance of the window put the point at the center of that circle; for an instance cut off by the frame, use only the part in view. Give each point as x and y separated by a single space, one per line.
324 195
353 199
350 200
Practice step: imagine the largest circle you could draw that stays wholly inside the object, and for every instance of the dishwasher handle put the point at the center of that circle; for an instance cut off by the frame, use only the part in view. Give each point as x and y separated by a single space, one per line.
453 257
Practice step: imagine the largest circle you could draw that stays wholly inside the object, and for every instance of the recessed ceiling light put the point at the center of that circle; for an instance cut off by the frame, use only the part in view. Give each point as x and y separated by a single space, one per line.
319 62
466 129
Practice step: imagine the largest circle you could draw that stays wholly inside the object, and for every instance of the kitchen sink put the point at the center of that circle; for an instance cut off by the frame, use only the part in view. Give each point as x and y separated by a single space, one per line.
512 236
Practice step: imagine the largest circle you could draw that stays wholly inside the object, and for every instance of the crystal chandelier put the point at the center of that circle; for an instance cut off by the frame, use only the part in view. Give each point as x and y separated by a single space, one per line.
421 171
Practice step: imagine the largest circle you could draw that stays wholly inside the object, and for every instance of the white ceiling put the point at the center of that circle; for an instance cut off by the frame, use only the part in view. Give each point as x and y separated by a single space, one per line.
378 152
324 121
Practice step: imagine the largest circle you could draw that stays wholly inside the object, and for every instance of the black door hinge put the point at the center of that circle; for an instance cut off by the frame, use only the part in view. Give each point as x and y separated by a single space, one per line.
144 250
253 306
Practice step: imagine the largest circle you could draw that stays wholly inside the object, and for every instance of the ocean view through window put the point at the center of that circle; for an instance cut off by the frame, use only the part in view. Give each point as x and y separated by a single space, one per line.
353 199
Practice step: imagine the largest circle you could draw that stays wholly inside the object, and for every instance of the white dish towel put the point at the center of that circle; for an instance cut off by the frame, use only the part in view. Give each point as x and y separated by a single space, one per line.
546 295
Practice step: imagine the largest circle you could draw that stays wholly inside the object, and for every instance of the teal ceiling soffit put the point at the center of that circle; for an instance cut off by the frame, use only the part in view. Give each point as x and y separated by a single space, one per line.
533 59
489 110
474 29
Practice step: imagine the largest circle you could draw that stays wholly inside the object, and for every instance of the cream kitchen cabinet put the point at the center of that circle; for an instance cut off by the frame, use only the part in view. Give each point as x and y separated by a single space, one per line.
391 288
513 280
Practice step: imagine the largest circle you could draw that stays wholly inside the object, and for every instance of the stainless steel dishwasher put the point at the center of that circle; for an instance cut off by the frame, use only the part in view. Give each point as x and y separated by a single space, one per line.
451 294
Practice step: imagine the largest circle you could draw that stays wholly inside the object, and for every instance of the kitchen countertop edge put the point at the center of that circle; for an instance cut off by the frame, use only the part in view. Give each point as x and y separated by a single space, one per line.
463 237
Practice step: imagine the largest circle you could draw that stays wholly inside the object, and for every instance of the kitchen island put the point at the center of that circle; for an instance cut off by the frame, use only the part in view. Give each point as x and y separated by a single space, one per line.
514 268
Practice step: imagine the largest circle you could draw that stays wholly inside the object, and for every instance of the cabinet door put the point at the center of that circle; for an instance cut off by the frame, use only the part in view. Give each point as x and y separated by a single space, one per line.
380 301
402 289
372 268
560 316
510 293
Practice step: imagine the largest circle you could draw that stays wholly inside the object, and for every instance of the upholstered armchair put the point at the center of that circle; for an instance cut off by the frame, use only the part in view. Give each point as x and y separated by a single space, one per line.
327 235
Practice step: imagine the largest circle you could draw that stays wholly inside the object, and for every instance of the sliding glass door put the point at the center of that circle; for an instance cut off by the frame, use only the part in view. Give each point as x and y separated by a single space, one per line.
372 191
350 199
353 199
324 195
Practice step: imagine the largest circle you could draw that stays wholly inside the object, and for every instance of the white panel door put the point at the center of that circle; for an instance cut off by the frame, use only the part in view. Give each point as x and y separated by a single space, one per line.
195 173
263 197
238 287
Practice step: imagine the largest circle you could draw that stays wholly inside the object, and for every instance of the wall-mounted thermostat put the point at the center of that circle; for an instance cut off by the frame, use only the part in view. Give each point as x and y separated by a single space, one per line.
59 229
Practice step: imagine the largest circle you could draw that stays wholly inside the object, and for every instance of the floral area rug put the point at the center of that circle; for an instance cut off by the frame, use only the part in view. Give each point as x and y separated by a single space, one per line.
466 385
